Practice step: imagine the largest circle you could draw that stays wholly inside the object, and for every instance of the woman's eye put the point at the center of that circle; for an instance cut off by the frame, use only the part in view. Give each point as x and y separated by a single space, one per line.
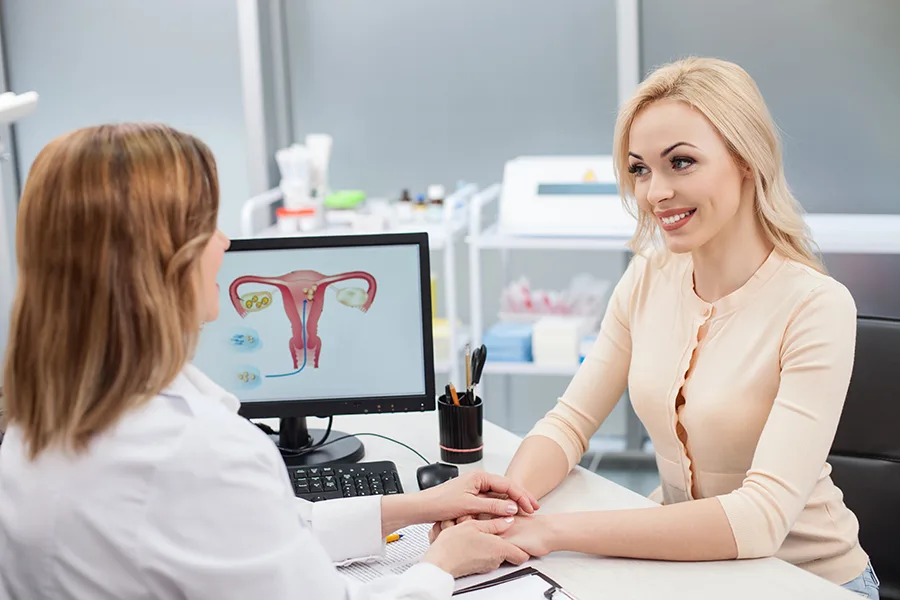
681 163
638 170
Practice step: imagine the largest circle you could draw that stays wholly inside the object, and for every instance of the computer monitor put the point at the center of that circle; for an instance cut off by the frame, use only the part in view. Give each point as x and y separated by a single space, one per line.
323 326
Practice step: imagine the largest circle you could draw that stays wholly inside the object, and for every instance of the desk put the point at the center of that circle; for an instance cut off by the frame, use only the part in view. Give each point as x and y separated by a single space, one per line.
588 577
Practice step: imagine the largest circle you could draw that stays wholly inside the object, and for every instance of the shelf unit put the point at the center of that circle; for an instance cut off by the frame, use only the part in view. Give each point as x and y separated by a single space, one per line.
488 237
258 212
834 234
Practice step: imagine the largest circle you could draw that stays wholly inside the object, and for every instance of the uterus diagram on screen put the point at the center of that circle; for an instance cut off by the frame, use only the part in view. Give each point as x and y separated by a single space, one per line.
303 295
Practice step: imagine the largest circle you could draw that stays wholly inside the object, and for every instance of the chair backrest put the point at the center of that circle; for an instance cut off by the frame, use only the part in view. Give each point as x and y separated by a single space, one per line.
865 455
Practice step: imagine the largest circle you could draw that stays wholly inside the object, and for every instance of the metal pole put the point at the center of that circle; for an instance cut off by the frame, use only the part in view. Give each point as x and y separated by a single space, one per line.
253 94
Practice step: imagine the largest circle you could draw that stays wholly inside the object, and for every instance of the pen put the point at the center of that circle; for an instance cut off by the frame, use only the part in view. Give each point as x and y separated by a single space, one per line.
468 372
453 395
393 538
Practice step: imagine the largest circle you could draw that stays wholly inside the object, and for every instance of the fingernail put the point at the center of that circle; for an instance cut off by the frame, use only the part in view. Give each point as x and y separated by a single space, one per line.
509 519
512 508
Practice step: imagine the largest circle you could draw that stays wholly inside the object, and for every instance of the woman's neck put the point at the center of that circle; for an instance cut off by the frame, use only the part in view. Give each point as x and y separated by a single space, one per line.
730 259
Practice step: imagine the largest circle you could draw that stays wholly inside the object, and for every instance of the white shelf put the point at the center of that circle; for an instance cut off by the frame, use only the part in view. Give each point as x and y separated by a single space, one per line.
527 368
834 233
855 234
492 238
437 232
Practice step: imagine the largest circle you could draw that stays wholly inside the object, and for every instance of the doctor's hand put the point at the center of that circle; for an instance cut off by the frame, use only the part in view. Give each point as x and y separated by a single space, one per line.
474 547
476 493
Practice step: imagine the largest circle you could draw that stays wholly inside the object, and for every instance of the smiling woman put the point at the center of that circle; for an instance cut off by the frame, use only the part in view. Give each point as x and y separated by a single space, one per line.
735 346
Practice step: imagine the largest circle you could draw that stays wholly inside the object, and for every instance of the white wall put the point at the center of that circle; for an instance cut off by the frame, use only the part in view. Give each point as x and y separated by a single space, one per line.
97 61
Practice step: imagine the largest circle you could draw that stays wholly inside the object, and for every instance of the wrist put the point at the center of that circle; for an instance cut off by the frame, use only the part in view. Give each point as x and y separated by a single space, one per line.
556 531
399 511
435 556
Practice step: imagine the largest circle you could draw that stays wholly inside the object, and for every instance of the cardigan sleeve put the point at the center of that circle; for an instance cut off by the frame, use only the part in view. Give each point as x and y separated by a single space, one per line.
817 355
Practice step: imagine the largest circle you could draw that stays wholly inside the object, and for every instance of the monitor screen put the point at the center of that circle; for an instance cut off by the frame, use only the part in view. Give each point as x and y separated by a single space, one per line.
329 320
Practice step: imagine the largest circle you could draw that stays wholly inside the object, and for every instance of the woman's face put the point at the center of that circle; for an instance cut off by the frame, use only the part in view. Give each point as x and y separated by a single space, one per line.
685 177
210 262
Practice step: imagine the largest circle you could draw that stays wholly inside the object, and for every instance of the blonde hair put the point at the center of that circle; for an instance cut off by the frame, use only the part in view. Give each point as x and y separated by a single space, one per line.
112 223
729 98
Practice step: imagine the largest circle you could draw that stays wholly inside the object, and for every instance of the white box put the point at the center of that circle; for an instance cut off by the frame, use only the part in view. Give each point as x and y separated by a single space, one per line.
556 340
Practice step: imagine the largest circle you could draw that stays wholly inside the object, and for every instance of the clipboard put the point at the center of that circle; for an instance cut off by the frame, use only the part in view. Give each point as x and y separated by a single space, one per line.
524 584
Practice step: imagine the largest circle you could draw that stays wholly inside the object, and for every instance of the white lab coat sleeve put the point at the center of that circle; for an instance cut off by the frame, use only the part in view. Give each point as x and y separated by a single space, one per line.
221 524
346 528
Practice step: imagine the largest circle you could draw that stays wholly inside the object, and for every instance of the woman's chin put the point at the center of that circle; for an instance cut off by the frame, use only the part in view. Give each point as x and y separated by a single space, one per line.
679 244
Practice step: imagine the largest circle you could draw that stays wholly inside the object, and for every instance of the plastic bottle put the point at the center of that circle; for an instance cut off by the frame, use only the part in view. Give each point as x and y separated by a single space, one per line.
420 209
405 207
435 202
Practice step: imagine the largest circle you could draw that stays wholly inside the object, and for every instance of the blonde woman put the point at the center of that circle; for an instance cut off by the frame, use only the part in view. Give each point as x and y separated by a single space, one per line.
125 472
735 345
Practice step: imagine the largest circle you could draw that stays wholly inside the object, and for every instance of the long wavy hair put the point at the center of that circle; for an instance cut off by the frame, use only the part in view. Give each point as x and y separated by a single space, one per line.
729 98
111 226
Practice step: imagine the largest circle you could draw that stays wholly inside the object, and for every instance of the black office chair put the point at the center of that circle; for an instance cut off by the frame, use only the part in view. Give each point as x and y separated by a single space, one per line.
866 450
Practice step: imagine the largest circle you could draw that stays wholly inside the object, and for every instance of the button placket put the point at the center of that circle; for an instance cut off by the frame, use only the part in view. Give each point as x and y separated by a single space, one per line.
681 400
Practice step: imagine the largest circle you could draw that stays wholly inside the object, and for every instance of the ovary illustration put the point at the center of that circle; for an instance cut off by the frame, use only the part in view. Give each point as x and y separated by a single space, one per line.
303 293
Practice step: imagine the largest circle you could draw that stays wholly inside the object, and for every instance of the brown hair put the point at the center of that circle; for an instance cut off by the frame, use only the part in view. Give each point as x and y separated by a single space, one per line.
729 98
112 223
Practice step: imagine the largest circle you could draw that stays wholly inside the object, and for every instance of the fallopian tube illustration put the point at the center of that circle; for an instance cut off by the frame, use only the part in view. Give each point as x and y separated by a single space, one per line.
303 293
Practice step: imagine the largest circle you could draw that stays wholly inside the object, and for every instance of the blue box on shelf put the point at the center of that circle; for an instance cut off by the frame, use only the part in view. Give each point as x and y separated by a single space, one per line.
509 342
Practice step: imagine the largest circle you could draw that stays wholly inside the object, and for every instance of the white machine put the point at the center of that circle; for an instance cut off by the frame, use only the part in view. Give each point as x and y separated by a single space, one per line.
562 196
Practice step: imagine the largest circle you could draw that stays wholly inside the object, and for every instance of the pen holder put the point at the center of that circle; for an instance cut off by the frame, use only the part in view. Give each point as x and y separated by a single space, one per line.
461 431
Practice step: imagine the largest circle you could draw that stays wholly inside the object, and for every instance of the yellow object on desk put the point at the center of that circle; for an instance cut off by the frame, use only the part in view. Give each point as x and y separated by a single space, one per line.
393 537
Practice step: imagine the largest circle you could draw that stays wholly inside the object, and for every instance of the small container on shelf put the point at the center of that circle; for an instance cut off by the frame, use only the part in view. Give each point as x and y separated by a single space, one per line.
297 220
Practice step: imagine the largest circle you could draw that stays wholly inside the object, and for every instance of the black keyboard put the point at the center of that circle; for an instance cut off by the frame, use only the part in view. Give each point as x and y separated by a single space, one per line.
345 480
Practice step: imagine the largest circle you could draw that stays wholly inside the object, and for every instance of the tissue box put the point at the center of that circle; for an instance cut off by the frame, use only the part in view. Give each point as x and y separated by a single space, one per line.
556 340
508 342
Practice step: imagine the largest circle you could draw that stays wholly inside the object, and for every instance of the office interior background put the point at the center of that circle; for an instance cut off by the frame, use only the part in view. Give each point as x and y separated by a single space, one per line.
416 92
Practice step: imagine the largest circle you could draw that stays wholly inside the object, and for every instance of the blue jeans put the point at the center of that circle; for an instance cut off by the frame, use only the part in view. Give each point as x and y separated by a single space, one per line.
865 585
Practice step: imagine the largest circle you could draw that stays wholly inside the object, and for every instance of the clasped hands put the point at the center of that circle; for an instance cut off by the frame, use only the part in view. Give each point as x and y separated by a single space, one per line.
481 520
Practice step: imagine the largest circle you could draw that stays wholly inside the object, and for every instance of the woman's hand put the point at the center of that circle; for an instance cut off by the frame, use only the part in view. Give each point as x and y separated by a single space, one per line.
476 493
534 534
474 547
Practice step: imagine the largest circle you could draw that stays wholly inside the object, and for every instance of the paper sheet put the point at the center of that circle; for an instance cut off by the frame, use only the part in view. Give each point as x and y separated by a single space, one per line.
518 589
526 588
505 569
398 556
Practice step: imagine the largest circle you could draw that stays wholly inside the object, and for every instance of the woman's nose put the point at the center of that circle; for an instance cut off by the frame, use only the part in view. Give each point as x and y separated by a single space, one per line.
659 190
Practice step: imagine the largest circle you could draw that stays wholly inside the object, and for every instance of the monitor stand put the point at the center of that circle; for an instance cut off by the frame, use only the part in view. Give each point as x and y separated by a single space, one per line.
293 435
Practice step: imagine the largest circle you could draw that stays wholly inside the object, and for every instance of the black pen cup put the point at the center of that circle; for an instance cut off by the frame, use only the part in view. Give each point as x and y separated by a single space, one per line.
462 428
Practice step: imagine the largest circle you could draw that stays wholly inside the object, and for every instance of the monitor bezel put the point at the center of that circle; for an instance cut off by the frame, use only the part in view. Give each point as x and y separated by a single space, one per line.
258 409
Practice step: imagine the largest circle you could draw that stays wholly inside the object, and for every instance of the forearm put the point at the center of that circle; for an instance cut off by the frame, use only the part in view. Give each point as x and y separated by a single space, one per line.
690 531
539 465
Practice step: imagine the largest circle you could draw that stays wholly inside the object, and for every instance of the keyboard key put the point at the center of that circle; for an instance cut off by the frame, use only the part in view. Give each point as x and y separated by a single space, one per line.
327 471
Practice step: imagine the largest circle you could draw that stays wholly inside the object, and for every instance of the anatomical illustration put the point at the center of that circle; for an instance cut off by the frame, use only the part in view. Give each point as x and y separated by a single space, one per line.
303 293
